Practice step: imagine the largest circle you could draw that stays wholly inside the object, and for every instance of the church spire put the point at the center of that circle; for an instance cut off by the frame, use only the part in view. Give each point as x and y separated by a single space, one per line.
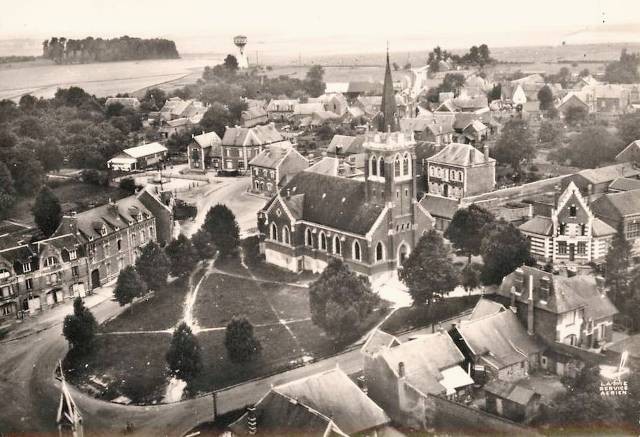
387 120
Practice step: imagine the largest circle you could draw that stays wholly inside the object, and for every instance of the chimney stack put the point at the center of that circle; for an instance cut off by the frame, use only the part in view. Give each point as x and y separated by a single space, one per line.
530 307
401 372
252 422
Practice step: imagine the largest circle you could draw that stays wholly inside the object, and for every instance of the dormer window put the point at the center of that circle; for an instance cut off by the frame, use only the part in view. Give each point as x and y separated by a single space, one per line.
103 231
73 254
26 267
51 261
139 218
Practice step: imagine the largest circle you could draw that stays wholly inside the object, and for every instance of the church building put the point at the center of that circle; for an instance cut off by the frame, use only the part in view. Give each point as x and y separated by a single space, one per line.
371 224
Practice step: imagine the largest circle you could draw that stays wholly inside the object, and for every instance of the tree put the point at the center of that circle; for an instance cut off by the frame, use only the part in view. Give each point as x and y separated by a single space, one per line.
575 115
503 249
616 267
80 328
625 70
205 249
594 146
153 266
129 286
629 127
47 212
314 84
495 93
128 185
223 229
339 295
184 357
464 229
429 269
470 276
153 99
50 155
515 145
242 346
545 97
182 255
7 191
27 103
550 132
26 170
216 119
231 63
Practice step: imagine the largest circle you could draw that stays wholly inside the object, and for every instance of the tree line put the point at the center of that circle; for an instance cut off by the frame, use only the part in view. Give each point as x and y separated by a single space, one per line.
62 50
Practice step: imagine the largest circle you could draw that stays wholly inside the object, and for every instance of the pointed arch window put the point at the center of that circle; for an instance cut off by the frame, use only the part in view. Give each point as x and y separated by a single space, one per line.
379 251
356 251
308 237
336 246
286 236
406 165
381 167
273 232
397 166
323 241
374 166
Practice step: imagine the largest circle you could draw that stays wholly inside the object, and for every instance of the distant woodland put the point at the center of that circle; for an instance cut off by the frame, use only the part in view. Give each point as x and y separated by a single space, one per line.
125 48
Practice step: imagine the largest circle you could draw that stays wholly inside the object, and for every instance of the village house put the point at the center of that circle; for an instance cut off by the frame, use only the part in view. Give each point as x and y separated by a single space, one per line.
606 99
511 400
274 166
280 110
621 211
139 157
571 235
572 100
574 311
205 152
436 128
371 224
332 102
631 153
513 94
497 347
402 377
323 404
241 144
253 116
592 181
349 150
176 108
174 127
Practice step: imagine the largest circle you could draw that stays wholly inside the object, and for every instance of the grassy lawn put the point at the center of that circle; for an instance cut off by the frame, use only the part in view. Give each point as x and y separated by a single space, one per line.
132 365
422 316
162 311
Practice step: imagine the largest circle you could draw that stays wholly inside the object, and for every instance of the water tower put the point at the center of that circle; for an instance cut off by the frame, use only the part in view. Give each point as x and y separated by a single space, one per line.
240 41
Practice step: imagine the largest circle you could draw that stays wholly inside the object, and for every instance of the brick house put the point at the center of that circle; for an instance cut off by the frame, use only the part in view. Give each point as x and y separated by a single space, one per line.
275 165
621 211
205 152
574 311
572 235
241 144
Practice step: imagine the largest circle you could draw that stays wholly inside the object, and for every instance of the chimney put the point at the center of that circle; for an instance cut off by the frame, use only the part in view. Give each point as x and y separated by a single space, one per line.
252 424
485 149
545 288
530 309
401 372
471 154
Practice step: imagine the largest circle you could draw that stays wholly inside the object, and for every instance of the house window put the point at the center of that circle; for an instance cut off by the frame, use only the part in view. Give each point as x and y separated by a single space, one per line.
323 241
379 251
573 211
308 237
396 167
4 273
143 236
75 271
51 261
103 231
26 267
381 167
133 239
119 244
286 238
562 247
28 284
336 246
562 228
356 251
73 255
273 232
583 229
633 230
373 167
582 248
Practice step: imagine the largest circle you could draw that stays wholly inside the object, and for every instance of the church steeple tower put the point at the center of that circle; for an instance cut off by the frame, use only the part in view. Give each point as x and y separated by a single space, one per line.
387 120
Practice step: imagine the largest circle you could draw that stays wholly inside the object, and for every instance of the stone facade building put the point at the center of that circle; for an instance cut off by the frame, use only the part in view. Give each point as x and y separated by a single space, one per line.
275 165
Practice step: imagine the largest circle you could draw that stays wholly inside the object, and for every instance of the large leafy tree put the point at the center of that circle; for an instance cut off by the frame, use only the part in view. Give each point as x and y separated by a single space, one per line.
47 212
629 127
240 341
184 357
575 115
80 328
182 255
216 119
231 63
50 155
26 170
340 301
464 229
515 144
545 97
223 228
617 263
504 248
314 84
624 70
129 286
429 270
205 248
7 191
153 266
594 146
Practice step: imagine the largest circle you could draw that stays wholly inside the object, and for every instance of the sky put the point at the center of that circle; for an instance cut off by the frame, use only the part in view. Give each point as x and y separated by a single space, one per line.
344 25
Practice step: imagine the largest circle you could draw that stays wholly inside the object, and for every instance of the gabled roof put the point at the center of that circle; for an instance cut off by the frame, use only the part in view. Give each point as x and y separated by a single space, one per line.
378 341
334 395
499 339
625 203
608 173
273 155
327 166
256 135
438 206
254 112
538 225
349 145
207 139
476 125
424 360
601 229
625 184
145 150
330 201
22 253
511 391
484 308
67 242
632 145
281 105
183 121
459 154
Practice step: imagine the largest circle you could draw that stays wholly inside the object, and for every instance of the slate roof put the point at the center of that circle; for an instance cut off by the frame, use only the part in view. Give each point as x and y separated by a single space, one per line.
331 201
327 166
625 203
476 125
183 121
600 228
350 145
499 339
265 134
459 154
282 105
19 254
273 155
88 223
625 184
334 395
378 341
424 358
436 124
145 150
68 242
484 308
207 139
254 112
538 225
510 391
609 173
438 206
